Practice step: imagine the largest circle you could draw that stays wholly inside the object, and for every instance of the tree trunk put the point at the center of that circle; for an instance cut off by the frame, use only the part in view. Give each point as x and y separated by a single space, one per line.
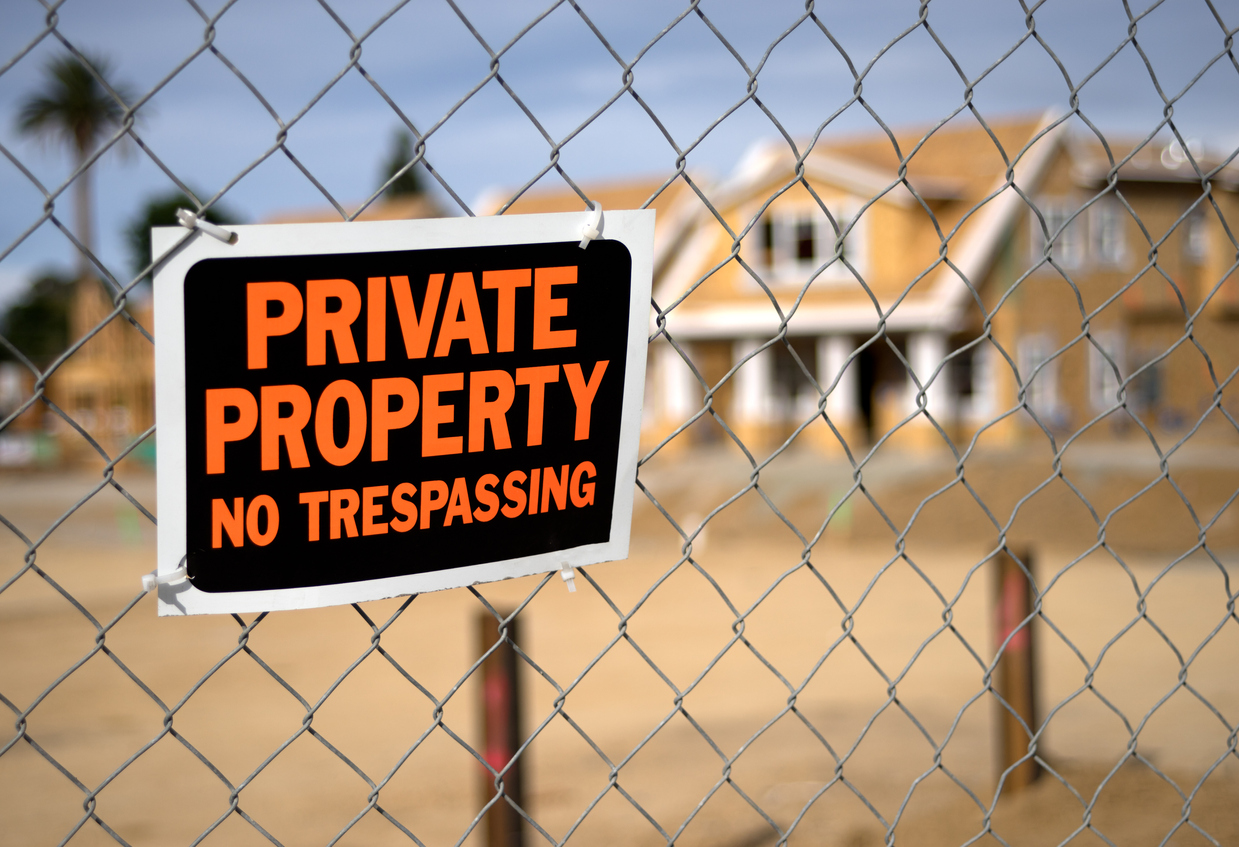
83 218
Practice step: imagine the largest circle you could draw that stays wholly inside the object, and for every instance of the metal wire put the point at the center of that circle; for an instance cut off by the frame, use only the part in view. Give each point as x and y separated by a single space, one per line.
763 469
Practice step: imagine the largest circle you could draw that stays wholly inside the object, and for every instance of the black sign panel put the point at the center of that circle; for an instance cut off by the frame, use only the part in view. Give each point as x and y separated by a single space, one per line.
353 417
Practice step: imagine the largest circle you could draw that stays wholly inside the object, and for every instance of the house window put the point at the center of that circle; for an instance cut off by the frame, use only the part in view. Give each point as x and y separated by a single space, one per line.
1067 239
1144 391
1105 356
1106 228
972 380
767 241
795 245
962 374
1039 376
1196 237
806 243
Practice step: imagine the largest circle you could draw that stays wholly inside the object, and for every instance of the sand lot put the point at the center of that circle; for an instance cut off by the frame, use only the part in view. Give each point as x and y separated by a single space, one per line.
690 710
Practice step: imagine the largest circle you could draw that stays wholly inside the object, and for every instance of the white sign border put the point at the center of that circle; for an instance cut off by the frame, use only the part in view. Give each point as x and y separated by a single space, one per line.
633 229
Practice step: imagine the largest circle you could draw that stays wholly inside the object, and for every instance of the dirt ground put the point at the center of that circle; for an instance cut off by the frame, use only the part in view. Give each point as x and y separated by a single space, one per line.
842 707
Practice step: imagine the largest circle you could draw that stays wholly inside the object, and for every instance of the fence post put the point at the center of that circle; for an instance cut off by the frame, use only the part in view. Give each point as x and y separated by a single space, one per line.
501 731
1015 673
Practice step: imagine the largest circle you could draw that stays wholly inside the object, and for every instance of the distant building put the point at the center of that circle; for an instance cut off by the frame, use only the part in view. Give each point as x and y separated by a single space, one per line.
868 277
923 262
677 210
849 250
108 385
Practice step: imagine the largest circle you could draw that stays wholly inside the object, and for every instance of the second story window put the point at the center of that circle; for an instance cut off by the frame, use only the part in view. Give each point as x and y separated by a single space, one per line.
1106 220
806 241
1066 234
767 241
1196 236
794 244
1082 238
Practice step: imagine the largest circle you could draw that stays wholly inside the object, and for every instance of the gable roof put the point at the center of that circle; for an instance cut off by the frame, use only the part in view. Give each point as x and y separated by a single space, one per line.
960 170
1151 162
976 252
768 163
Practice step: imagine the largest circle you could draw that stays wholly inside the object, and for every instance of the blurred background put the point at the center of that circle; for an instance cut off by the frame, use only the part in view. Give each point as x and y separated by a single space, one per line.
934 536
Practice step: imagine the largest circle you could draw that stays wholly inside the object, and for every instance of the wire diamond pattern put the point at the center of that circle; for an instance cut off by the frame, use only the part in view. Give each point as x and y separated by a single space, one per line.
864 461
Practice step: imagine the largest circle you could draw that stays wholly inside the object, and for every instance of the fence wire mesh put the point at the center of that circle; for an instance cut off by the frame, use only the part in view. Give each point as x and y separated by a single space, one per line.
889 371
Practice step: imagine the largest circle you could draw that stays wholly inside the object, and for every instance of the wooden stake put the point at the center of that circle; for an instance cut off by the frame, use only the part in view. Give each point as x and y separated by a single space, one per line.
1015 678
501 732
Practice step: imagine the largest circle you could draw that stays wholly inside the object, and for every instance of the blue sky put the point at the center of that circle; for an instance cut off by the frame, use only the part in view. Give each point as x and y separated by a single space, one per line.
207 127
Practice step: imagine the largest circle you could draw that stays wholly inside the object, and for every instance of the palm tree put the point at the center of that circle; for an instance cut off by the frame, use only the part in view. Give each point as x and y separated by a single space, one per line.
75 109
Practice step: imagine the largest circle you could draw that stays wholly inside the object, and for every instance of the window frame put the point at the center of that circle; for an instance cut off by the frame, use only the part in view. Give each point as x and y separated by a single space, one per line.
781 235
1196 237
1106 216
1103 386
1041 393
1072 244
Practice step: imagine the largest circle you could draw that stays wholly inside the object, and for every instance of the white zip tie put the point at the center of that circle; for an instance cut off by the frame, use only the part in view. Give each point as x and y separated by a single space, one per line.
189 220
152 580
590 231
569 577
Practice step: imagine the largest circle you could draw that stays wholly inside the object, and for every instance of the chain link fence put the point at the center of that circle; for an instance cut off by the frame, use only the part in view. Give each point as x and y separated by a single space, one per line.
934 540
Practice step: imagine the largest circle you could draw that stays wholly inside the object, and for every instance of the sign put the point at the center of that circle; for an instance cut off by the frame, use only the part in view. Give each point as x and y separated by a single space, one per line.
355 411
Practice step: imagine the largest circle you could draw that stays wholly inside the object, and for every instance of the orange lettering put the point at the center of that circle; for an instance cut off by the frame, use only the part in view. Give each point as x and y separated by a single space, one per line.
515 494
324 422
319 322
435 415
376 319
535 478
583 393
556 486
343 511
402 502
458 505
416 331
275 427
583 492
462 318
546 307
259 327
313 499
371 510
227 520
382 419
434 496
495 411
507 282
484 493
266 503
536 379
218 431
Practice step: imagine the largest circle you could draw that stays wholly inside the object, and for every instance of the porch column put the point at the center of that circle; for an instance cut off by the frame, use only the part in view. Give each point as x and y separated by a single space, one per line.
675 393
842 404
752 400
926 351
984 401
